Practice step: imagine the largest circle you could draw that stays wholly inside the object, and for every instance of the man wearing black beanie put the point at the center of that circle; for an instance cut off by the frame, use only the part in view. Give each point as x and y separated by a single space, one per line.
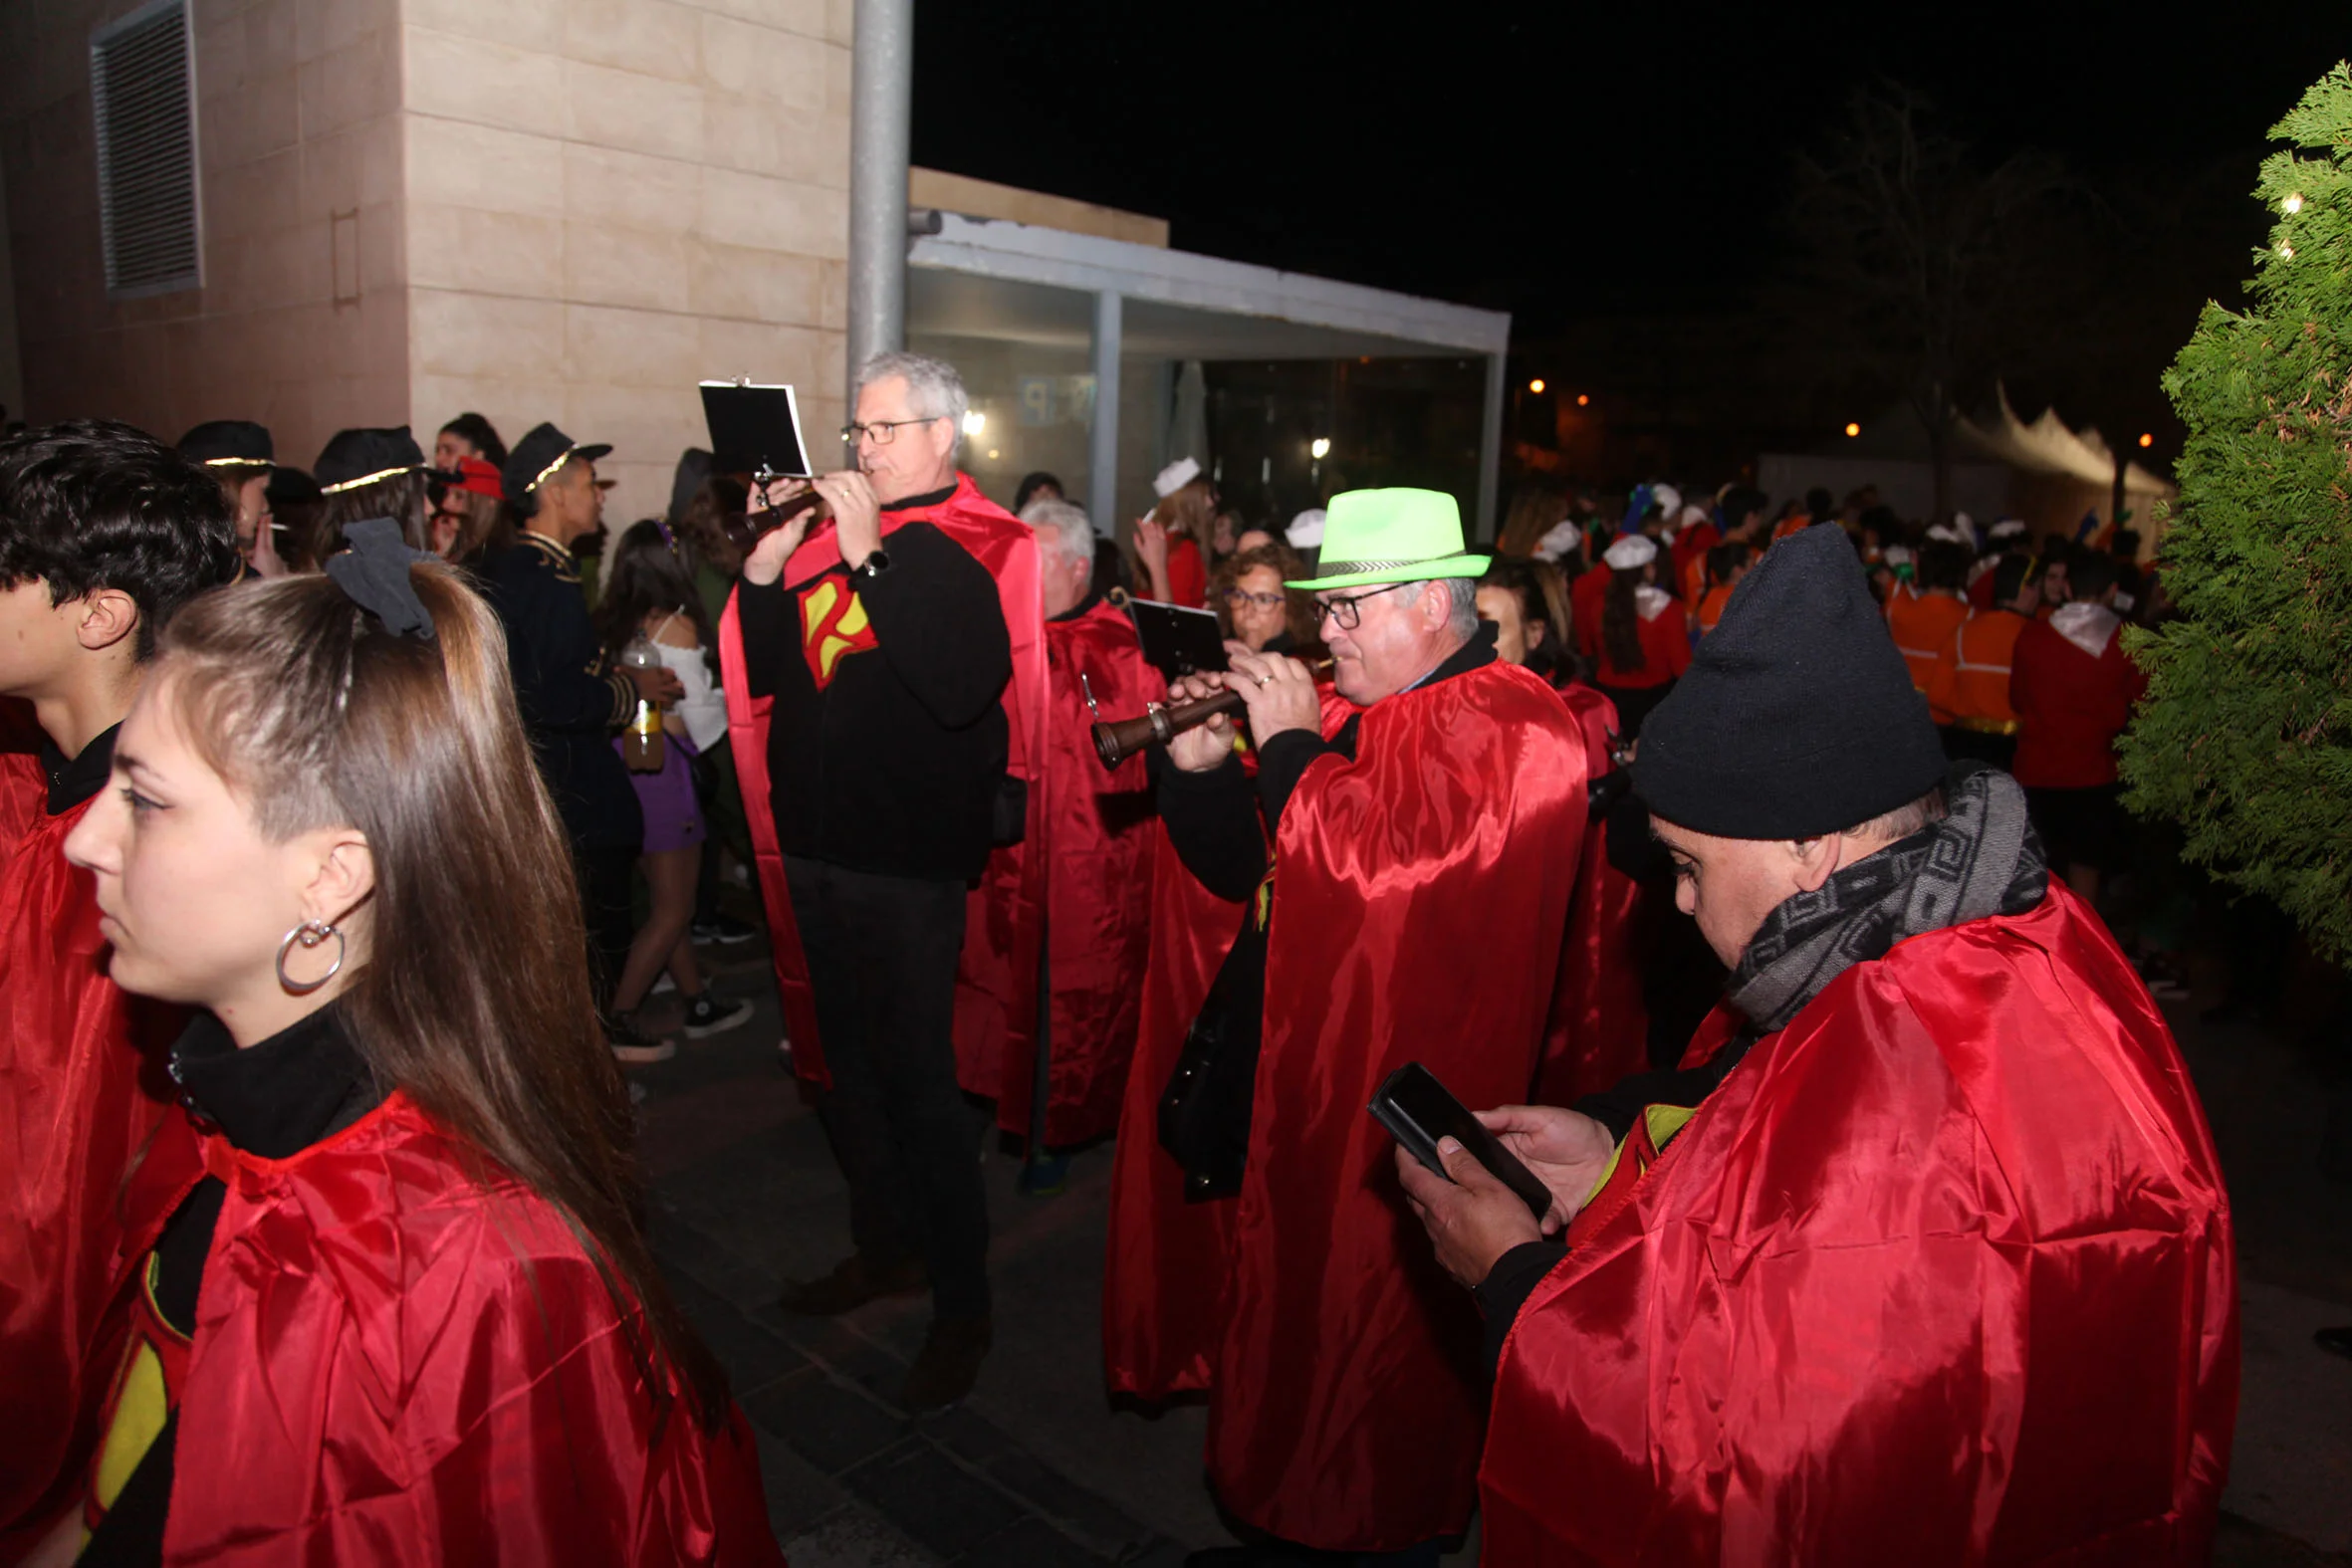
1926 1246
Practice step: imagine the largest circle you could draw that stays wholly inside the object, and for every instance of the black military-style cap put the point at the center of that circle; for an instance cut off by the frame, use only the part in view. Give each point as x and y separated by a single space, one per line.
533 461
351 458
228 444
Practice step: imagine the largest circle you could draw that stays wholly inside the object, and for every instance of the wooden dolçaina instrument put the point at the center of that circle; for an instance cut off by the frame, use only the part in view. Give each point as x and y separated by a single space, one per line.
1116 739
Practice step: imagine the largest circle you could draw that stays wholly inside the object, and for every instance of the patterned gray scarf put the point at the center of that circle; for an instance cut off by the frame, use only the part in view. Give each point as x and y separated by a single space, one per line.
1981 859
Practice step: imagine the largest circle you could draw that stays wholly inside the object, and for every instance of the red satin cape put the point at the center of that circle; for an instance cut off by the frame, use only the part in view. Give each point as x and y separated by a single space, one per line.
1421 896
996 982
82 1089
401 1354
1600 1029
1098 885
1167 1261
1940 1273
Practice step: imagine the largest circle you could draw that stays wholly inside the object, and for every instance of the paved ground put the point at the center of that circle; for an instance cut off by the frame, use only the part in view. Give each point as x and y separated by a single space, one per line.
1037 1468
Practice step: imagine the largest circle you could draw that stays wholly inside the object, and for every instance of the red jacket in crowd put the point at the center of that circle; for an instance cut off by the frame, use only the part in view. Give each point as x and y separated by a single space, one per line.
2071 703
1665 648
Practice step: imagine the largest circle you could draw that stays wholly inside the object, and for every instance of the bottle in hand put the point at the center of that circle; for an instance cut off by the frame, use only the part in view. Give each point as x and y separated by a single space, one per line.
642 745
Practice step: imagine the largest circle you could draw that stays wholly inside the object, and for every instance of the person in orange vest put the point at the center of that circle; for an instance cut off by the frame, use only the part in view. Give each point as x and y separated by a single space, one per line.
1726 565
1924 618
1971 681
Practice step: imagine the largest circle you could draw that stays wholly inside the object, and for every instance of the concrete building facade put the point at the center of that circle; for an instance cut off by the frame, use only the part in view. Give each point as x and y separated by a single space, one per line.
540 209
576 210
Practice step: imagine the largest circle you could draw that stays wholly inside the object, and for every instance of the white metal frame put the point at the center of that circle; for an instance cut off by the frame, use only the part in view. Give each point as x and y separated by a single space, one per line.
1115 271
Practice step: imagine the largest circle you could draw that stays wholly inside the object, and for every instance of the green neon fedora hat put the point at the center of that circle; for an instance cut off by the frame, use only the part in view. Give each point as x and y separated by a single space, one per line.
1391 535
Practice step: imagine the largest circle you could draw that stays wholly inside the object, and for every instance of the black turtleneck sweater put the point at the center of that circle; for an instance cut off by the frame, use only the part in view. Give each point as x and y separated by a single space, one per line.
893 763
275 1098
73 779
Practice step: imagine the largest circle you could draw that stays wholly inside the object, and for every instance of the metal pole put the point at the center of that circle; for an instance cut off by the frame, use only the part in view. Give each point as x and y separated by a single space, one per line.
1489 455
881 98
1102 441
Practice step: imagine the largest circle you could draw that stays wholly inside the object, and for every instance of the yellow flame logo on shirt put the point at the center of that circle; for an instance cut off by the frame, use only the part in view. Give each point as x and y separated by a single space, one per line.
832 625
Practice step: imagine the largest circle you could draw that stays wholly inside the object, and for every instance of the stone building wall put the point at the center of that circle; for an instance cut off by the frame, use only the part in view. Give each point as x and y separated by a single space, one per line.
611 200
539 209
298 120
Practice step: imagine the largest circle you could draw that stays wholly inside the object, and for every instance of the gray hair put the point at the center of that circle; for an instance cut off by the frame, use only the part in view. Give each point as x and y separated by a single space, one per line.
933 384
1461 604
1904 820
1061 526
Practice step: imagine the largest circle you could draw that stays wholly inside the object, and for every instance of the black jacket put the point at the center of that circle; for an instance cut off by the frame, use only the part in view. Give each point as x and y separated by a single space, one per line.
571 704
893 763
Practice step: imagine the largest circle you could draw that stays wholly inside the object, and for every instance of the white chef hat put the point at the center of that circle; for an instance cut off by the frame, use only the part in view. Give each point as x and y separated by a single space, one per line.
1667 497
1307 529
1175 476
1630 551
1559 541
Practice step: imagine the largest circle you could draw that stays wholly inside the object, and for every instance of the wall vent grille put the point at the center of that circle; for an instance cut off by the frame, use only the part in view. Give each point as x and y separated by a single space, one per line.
142 88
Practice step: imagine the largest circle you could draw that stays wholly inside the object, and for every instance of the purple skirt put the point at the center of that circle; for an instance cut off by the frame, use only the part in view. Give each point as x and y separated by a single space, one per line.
673 818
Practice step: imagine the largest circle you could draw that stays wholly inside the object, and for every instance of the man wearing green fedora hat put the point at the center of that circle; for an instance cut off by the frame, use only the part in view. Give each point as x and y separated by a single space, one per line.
1425 841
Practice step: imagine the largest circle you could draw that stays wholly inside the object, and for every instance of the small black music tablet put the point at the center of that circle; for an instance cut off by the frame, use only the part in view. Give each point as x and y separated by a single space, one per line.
1176 640
755 430
1418 1111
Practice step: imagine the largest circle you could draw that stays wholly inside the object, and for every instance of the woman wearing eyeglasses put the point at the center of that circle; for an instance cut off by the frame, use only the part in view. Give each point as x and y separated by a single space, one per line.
1256 611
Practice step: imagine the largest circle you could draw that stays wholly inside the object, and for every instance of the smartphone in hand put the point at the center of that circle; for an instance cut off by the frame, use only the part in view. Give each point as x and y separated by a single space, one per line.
1418 1111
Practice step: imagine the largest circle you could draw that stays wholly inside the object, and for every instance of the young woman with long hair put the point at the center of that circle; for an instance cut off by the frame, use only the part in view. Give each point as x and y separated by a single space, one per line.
1645 638
1528 605
387 1301
470 517
650 595
1168 544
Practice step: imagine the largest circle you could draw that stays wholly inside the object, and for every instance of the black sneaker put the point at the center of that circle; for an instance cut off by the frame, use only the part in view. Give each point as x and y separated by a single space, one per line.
726 931
705 1016
632 1048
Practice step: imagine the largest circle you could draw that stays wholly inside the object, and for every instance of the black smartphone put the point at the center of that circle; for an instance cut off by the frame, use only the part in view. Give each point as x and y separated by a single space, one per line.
1418 1111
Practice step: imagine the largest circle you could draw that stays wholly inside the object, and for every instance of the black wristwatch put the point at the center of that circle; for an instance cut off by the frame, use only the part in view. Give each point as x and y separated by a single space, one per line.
872 566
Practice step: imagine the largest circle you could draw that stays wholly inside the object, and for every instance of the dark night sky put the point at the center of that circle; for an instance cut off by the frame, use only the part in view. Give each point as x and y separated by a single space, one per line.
1564 160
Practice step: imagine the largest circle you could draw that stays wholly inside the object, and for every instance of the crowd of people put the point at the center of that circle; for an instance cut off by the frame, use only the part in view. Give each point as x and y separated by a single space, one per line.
1739 870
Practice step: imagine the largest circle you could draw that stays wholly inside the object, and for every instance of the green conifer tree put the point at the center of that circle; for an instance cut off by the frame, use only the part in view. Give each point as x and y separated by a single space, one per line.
2246 739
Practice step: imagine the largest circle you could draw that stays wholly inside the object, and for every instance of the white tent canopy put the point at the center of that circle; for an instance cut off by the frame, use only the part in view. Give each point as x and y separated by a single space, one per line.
2045 472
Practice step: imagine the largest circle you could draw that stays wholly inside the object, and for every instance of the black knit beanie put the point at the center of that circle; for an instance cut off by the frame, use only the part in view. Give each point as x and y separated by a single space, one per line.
1797 717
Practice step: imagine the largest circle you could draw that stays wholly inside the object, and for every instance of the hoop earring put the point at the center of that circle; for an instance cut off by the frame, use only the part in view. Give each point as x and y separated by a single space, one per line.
310 933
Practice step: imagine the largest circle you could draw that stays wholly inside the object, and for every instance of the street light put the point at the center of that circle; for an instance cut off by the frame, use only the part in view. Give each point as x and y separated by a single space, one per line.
1581 399
974 422
1536 386
2147 440
1853 430
1319 448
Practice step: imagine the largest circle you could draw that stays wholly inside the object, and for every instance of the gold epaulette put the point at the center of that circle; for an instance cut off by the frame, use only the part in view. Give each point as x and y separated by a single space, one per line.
556 555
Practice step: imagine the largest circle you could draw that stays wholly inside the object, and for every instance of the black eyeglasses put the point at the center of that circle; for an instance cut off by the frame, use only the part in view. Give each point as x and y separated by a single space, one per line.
885 431
1345 610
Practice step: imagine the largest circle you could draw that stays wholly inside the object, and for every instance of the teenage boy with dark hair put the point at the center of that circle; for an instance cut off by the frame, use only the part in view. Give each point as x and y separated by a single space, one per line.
104 532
